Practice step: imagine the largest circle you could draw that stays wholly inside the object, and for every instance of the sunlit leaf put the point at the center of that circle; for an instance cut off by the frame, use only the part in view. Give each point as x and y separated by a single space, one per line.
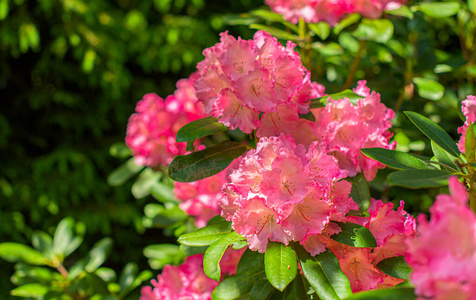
428 88
395 159
416 179
395 267
280 264
199 128
354 235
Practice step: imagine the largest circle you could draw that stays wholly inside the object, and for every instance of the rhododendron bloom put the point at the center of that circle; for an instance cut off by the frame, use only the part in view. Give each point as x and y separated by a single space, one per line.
200 198
469 111
346 128
391 228
443 256
281 192
239 79
152 129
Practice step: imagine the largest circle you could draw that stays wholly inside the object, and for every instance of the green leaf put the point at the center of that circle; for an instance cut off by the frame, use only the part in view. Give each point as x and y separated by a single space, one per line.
191 250
249 259
261 289
240 284
321 29
128 274
355 235
438 9
160 255
123 172
309 116
276 32
144 184
267 15
470 144
120 150
98 254
360 192
472 6
402 11
444 157
30 290
377 30
395 267
205 163
416 179
434 132
280 264
428 88
297 290
3 9
14 252
385 294
214 253
207 235
328 49
199 128
353 97
395 159
42 242
347 21
63 237
240 244
324 274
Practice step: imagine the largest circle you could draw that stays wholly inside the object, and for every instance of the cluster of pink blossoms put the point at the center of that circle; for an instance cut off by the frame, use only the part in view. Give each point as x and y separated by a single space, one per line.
346 128
469 111
443 256
152 129
241 79
188 281
281 192
391 229
200 198
331 11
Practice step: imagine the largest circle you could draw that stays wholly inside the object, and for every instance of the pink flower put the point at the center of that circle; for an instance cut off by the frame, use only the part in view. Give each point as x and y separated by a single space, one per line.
281 192
469 111
443 256
200 198
391 229
346 128
151 130
239 79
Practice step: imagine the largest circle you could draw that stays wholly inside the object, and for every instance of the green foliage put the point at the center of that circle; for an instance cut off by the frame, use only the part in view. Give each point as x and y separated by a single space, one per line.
395 267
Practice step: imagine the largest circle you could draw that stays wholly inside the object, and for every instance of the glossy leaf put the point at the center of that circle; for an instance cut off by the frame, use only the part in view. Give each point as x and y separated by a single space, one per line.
321 29
63 237
385 294
98 254
434 132
14 252
402 11
124 172
438 9
395 267
353 97
416 179
355 235
276 32
280 263
377 30
30 290
324 274
205 163
249 259
428 88
261 289
360 192
346 22
214 253
444 157
207 235
297 290
199 128
395 159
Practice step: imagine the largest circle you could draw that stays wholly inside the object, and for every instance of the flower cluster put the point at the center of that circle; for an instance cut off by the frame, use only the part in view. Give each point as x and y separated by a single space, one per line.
330 11
346 128
200 198
443 256
188 281
281 192
469 111
391 229
152 129
240 79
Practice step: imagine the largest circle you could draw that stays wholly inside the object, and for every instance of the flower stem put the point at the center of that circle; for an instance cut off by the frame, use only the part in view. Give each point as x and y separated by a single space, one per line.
355 65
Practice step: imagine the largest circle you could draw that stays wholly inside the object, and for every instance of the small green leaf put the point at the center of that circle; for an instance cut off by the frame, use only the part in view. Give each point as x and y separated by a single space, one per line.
385 294
30 290
470 144
3 9
14 252
321 29
328 49
207 235
377 30
261 289
145 182
214 253
120 150
347 21
428 88
280 34
434 132
63 237
205 163
98 254
267 15
309 116
416 179
349 94
324 274
438 9
355 235
199 128
240 244
127 277
160 255
444 157
360 192
123 172
472 6
402 11
395 159
280 263
395 267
